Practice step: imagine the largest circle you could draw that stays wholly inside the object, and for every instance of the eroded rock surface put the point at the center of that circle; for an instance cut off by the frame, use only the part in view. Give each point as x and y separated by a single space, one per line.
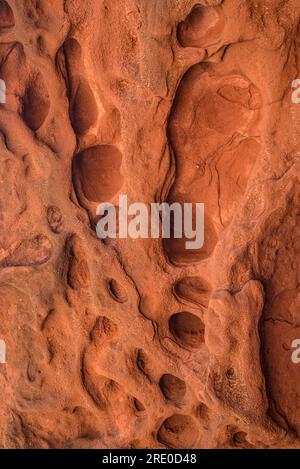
142 343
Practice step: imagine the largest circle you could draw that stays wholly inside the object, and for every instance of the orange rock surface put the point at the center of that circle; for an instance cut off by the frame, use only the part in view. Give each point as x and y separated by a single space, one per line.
141 343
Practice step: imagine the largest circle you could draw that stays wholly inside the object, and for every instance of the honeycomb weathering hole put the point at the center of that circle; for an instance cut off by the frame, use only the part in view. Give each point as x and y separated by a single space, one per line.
97 172
202 27
178 431
209 128
177 253
36 102
173 388
7 19
187 329
72 50
117 291
193 289
83 108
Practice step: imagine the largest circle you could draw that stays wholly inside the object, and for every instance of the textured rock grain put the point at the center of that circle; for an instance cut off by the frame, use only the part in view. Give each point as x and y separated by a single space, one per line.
140 343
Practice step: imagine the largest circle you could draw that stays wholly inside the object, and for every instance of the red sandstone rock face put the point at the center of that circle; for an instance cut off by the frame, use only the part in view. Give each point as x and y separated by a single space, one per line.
135 343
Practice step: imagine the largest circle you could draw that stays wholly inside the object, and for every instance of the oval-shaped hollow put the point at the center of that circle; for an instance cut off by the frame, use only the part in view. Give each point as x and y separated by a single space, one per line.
172 387
36 103
202 27
97 172
83 108
178 431
117 291
194 290
176 248
187 329
72 50
7 19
